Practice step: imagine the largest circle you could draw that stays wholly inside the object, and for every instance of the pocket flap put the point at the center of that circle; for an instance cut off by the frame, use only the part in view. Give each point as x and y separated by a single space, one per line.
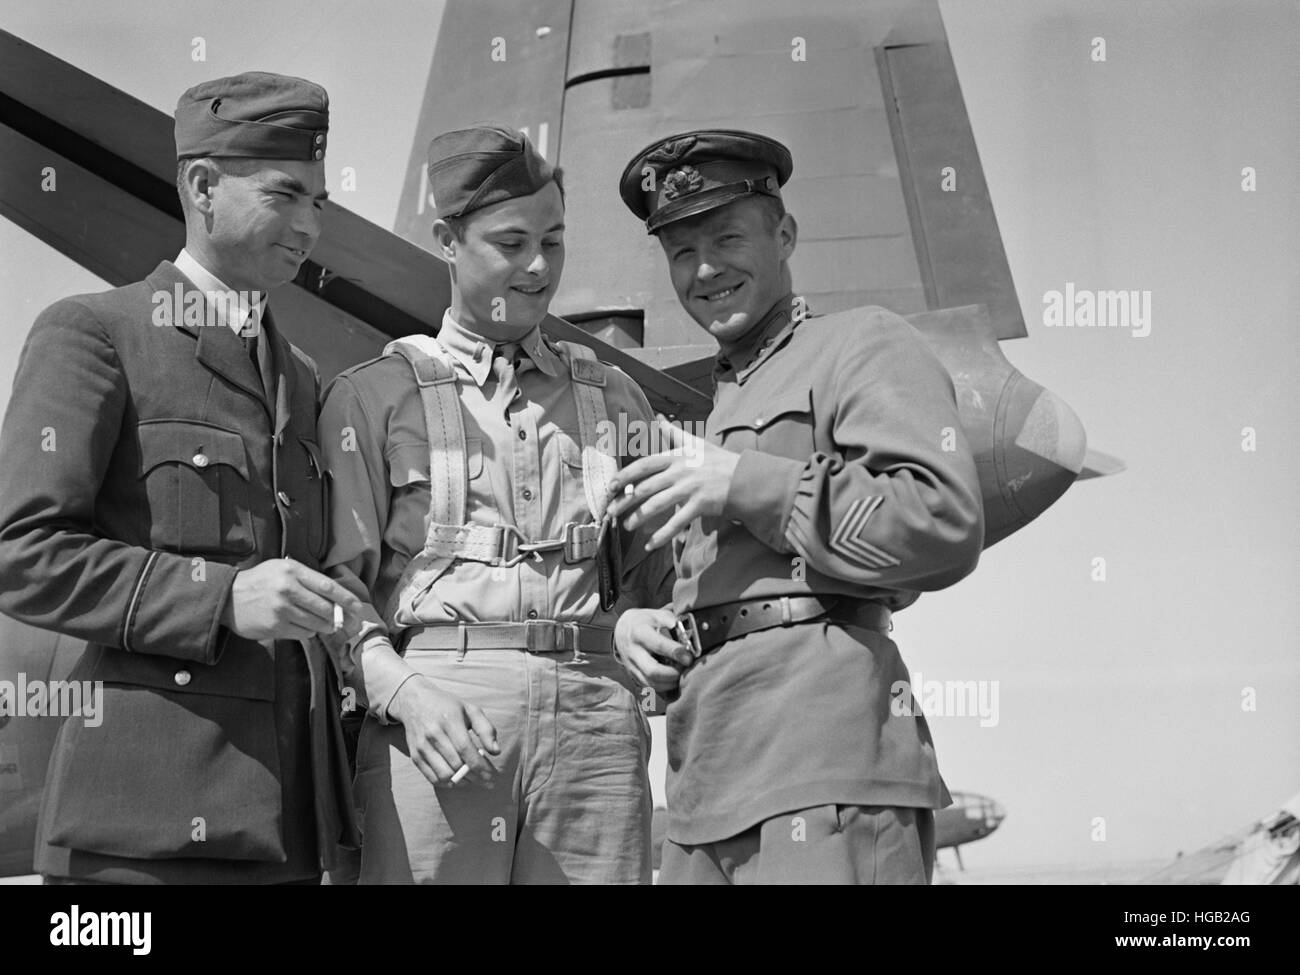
757 417
191 442
407 463
245 670
570 448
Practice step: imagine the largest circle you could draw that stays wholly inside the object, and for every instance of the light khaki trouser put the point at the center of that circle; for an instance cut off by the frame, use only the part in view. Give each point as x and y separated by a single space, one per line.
571 800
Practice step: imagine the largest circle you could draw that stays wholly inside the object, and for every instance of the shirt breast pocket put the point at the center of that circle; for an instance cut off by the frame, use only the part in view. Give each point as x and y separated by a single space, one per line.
409 472
573 489
780 424
196 484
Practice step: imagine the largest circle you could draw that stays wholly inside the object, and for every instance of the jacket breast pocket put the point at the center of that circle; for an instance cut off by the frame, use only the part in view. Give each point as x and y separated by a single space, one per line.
196 482
780 424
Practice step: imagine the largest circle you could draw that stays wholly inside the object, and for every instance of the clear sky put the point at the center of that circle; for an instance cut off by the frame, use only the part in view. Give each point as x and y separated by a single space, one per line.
1119 700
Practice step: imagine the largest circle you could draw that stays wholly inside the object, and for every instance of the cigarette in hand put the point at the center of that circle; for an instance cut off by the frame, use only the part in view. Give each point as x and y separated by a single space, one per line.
459 774
338 617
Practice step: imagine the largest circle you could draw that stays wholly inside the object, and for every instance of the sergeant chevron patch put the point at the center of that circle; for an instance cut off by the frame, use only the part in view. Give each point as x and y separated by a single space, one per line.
848 540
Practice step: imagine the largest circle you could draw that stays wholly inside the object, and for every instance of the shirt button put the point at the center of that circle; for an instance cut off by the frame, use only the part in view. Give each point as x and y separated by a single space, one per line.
284 499
528 494
759 422
200 460
320 154
319 138
523 434
532 614
182 678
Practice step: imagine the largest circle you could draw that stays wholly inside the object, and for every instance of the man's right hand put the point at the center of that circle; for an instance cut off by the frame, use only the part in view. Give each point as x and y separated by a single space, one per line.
281 599
647 651
443 733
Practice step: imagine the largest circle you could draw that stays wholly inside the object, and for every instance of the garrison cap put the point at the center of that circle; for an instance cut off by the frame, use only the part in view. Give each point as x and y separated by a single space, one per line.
255 115
698 171
476 167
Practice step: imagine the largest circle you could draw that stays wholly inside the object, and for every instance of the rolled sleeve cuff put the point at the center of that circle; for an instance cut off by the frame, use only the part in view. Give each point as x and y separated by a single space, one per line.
761 496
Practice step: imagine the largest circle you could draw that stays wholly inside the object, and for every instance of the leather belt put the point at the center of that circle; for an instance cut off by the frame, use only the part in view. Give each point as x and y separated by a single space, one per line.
535 636
705 629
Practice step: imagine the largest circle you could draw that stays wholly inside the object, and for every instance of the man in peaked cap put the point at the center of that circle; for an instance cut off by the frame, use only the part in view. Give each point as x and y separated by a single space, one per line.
821 499
162 498
503 742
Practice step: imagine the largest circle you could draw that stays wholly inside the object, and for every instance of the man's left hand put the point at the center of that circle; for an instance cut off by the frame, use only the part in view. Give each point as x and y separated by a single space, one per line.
692 476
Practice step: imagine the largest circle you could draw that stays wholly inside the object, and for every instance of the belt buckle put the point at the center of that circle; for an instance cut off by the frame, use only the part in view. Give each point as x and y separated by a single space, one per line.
510 538
535 636
689 634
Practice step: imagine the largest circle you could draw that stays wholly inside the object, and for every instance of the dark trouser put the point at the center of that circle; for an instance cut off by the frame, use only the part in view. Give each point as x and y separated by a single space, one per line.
820 845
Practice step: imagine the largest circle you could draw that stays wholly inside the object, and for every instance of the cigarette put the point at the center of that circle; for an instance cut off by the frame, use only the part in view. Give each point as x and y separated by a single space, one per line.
338 617
459 774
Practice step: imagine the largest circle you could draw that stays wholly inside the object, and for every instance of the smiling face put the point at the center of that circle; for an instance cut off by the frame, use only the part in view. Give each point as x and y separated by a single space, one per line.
728 265
506 264
259 221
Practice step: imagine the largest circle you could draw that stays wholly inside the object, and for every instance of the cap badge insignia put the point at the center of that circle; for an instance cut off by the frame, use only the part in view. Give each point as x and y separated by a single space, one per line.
681 181
667 153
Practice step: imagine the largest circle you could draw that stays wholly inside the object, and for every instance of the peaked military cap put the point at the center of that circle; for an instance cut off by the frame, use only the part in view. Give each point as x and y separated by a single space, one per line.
691 172
476 167
255 115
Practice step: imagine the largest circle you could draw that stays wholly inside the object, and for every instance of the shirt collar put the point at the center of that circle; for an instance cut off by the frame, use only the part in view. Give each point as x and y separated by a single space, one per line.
243 302
770 334
475 354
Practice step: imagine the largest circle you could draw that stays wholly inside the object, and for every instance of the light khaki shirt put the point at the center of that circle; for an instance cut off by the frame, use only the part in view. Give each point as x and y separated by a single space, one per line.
524 459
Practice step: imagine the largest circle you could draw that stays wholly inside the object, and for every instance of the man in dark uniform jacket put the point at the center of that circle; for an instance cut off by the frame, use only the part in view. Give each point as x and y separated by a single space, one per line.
161 497
832 487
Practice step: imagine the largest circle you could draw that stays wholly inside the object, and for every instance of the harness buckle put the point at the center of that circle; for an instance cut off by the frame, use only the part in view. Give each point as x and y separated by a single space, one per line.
573 543
508 552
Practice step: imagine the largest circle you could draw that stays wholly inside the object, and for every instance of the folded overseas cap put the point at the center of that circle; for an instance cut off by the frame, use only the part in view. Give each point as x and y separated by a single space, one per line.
255 115
476 167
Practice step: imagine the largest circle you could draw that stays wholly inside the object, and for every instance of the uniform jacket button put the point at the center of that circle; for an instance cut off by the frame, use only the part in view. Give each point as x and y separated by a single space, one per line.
182 678
200 460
